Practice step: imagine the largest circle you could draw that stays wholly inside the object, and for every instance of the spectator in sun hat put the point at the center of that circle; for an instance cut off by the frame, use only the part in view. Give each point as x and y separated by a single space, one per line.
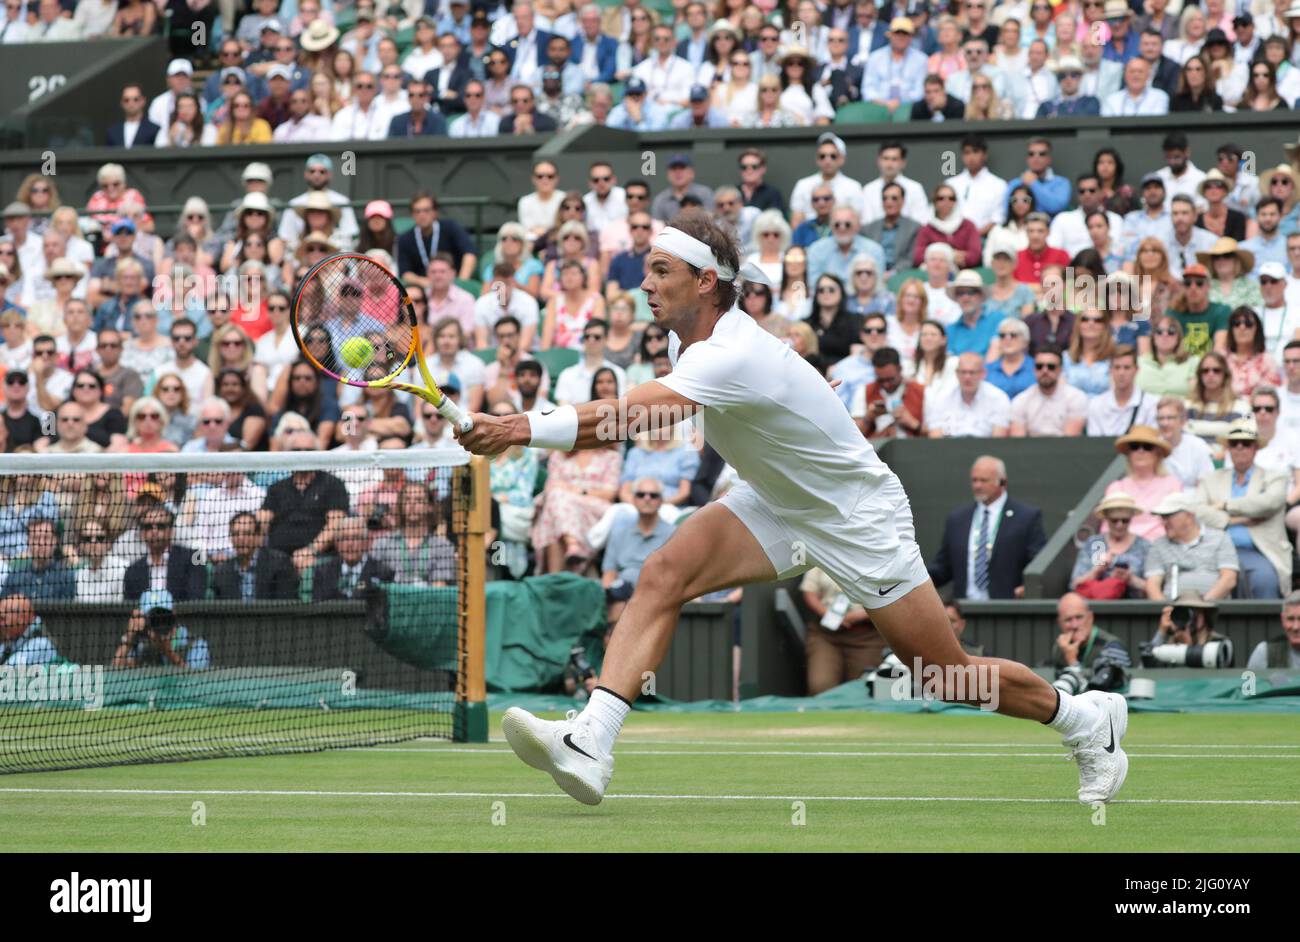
318 172
1110 564
1146 480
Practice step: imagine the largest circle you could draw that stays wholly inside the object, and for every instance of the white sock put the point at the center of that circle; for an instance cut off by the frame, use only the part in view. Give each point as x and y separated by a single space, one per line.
604 715
1074 716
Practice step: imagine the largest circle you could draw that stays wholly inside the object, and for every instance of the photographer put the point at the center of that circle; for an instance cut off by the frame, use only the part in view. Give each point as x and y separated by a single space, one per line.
1085 657
1186 636
154 638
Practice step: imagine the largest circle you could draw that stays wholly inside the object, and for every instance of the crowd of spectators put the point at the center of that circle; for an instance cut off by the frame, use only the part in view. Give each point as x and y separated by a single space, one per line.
1159 307
311 70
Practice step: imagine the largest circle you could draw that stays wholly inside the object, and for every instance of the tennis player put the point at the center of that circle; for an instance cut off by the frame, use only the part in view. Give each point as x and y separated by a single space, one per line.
813 493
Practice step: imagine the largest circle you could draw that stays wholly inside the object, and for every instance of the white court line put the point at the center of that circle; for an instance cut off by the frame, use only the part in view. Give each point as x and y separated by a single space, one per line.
830 741
1051 753
306 793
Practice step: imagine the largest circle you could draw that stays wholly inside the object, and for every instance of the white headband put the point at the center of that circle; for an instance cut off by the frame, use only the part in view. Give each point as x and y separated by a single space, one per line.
698 255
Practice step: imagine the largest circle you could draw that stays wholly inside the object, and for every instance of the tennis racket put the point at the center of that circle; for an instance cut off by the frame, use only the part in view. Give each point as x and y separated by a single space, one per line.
374 334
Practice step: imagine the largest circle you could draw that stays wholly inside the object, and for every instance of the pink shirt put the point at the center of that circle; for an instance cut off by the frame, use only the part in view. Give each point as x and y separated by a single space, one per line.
459 304
1147 495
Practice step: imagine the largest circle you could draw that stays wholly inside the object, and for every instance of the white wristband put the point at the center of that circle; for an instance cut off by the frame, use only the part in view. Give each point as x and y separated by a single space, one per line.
557 429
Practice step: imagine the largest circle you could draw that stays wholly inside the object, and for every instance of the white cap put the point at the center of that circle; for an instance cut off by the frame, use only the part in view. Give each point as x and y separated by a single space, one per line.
256 171
1273 270
829 138
279 70
180 66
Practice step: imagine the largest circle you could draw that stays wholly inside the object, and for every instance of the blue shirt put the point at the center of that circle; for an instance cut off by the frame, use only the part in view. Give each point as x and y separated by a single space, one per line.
31 647
886 79
1015 383
854 372
1093 380
1138 226
1013 305
628 548
825 258
669 467
1130 49
964 338
55 581
808 232
628 269
1051 194
1266 250
1239 533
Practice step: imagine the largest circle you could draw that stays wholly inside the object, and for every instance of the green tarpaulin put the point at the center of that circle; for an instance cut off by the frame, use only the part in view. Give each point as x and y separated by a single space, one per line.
531 626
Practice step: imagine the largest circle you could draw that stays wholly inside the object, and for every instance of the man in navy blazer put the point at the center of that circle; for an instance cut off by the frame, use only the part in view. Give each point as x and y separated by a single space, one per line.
1012 534
421 119
134 106
527 35
447 92
589 34
866 39
186 580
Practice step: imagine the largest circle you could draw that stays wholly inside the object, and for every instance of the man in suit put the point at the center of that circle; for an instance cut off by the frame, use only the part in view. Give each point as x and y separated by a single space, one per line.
594 52
135 129
255 571
1101 77
987 545
163 561
448 82
868 33
898 250
696 44
352 571
1249 502
527 48
526 118
841 78
421 119
1164 71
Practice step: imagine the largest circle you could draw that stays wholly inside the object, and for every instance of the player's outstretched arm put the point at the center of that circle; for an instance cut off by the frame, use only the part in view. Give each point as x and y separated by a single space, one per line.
589 425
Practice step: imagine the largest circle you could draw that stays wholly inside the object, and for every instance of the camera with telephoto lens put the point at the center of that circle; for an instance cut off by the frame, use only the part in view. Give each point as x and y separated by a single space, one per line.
1216 654
578 669
1073 680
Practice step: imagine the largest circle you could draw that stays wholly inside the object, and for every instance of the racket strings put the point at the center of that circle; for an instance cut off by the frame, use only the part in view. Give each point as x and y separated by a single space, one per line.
359 304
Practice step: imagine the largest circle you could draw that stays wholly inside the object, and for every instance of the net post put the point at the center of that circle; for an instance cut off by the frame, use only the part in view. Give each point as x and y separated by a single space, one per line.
470 723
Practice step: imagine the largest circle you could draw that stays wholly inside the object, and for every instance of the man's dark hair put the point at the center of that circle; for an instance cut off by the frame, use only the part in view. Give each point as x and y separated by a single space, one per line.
528 366
1152 31
1229 148
1040 140
599 163
895 185
444 257
974 141
159 508
637 182
507 319
1175 140
753 152
690 201
1122 351
598 322
1270 201
700 226
886 356
184 322
42 338
893 143
933 79
1050 347
419 195
184 239
1292 345
1089 175
246 515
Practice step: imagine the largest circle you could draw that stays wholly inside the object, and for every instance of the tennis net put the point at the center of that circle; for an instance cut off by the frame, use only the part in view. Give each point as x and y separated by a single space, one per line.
164 607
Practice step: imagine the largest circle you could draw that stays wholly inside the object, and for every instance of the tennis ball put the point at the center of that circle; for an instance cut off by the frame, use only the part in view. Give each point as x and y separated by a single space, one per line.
358 352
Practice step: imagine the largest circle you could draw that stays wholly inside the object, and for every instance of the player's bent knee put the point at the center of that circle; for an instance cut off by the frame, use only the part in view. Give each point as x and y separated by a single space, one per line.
663 579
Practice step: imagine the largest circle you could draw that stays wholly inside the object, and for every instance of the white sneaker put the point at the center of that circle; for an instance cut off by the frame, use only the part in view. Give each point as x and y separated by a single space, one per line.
565 749
1102 762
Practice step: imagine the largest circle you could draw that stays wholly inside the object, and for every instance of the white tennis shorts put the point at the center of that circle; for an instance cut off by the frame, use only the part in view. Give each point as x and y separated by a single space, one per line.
872 555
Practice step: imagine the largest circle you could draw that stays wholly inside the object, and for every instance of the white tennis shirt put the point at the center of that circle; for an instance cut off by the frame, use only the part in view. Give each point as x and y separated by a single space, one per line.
775 419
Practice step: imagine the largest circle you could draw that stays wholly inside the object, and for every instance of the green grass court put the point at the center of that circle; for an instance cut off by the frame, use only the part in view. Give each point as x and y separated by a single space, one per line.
868 781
